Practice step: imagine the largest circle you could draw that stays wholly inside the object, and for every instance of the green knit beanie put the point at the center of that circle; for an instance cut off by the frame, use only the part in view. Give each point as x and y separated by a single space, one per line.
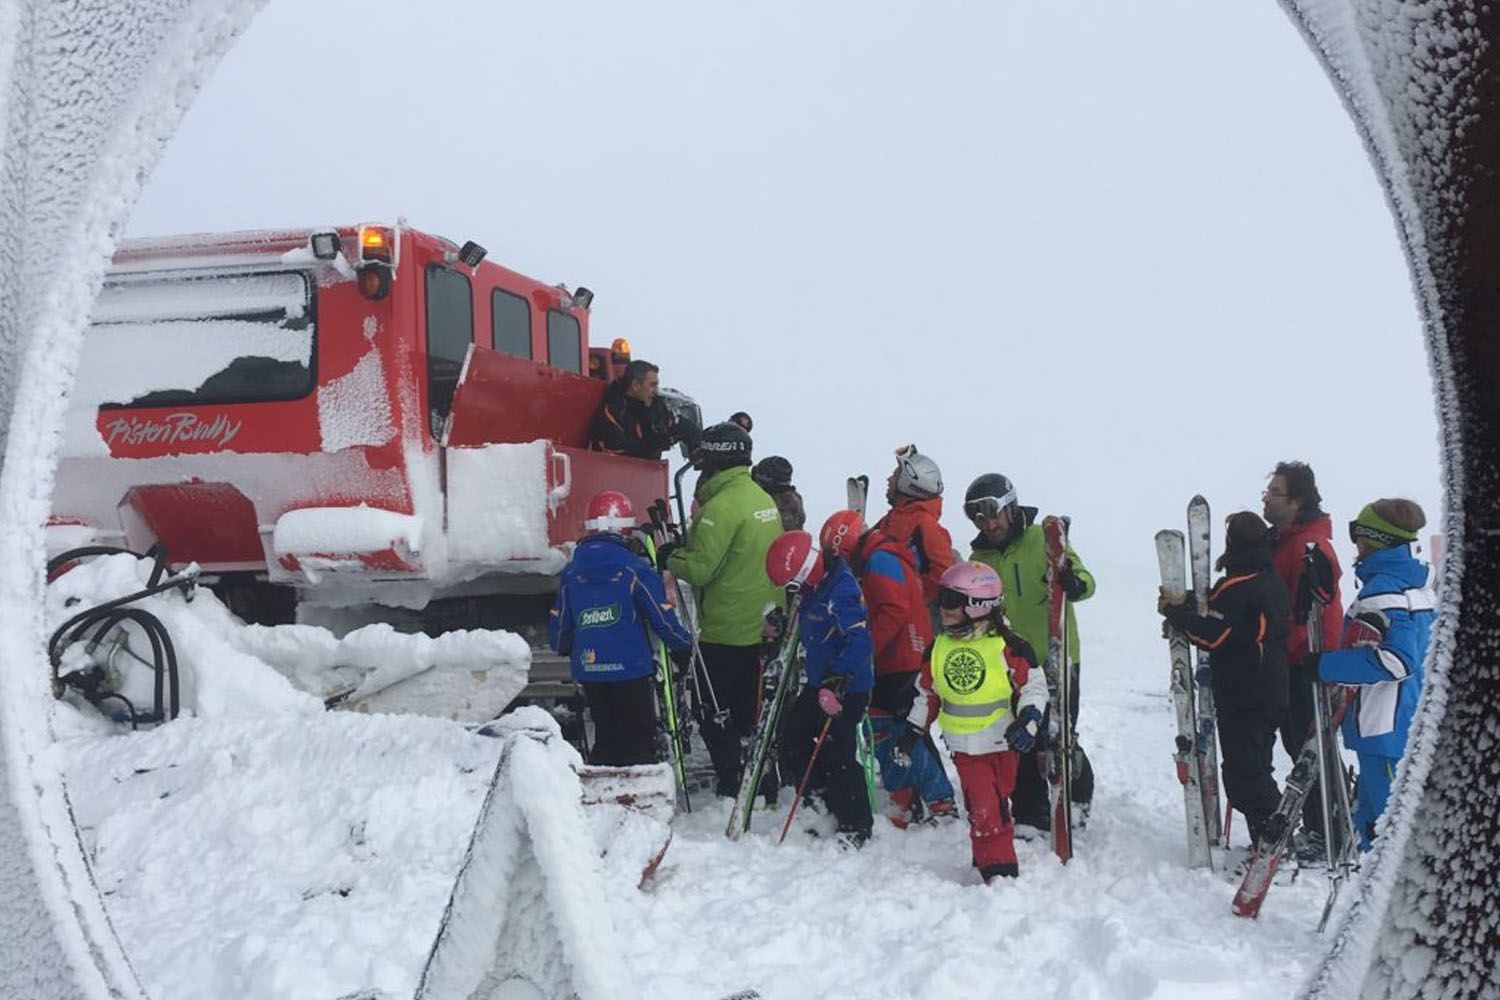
1373 528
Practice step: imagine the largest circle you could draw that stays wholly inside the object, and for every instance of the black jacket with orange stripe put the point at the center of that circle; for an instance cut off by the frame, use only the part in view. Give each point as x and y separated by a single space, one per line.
626 426
1245 631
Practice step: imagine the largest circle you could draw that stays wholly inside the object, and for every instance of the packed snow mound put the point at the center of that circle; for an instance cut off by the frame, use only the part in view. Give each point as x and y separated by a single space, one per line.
376 657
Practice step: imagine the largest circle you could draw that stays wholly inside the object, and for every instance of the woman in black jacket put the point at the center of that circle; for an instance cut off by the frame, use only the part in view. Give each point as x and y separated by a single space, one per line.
1245 629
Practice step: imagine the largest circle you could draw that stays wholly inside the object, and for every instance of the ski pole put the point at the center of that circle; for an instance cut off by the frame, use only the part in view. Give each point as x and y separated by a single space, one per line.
1320 703
1228 815
677 495
806 777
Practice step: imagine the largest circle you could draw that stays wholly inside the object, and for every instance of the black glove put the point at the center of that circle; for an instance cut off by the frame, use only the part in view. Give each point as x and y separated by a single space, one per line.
1021 734
1180 612
664 550
682 659
1315 585
1305 670
773 626
1073 585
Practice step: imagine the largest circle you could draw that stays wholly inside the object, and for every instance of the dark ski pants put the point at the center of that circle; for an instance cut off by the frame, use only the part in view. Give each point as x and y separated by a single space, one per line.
1246 743
1032 801
988 779
734 673
836 771
624 714
1296 730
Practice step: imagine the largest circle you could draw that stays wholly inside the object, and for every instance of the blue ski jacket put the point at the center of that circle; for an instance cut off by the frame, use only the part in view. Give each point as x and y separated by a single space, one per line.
1386 633
609 600
836 631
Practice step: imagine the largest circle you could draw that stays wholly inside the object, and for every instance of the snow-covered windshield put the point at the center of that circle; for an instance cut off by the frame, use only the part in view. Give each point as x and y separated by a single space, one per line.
178 340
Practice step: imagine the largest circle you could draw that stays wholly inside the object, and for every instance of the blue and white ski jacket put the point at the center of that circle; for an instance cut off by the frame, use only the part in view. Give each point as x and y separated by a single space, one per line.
607 600
1396 603
836 631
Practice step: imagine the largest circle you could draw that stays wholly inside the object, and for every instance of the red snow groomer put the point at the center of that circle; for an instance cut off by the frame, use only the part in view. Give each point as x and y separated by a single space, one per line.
354 416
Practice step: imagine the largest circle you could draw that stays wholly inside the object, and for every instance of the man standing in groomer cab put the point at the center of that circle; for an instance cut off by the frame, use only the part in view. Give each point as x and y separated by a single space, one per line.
634 419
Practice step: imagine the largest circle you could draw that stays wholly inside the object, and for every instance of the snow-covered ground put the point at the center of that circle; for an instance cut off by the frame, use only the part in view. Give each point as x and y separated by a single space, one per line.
283 854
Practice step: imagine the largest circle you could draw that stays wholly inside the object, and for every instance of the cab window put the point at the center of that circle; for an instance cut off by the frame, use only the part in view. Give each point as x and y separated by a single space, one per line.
510 323
450 329
564 341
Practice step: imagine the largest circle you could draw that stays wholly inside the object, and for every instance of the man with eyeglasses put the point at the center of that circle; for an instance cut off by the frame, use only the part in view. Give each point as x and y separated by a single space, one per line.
1011 541
1293 506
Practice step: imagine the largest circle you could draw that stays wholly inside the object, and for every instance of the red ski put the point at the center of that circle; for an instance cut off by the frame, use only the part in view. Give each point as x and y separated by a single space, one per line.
1060 735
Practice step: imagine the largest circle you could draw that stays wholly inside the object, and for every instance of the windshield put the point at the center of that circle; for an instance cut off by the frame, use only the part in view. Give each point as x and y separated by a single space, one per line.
177 340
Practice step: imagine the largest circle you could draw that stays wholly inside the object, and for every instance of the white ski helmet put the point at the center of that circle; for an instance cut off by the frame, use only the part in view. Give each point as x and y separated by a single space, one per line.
917 476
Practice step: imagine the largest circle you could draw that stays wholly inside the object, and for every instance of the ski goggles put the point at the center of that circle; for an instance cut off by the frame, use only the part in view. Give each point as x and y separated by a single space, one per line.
953 600
988 508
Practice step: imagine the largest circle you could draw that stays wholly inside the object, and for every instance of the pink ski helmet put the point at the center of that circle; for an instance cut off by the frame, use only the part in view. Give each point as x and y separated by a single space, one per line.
972 586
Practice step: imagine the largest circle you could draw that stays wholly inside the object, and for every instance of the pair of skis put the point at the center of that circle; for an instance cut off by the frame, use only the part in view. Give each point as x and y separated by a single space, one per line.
1196 754
1061 734
763 741
667 691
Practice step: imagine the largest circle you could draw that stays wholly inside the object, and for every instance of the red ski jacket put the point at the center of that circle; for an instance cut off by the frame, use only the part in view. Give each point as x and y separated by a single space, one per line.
918 525
1289 547
899 624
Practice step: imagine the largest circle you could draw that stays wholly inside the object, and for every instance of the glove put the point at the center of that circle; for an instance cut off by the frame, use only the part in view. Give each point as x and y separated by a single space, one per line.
1315 585
665 550
905 744
1368 628
1021 734
1170 609
682 659
1305 671
1073 585
828 701
773 626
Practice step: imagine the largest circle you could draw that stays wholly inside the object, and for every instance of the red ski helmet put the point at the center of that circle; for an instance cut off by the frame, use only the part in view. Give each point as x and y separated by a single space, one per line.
610 511
841 532
793 558
972 586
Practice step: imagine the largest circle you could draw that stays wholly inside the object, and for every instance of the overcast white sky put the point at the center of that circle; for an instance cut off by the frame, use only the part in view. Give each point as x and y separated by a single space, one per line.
1121 256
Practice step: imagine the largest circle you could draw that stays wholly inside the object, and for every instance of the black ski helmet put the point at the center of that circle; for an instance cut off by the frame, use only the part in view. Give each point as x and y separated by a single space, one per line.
772 473
722 446
990 494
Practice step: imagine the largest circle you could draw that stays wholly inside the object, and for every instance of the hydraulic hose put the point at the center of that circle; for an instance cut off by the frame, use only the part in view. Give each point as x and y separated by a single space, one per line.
103 617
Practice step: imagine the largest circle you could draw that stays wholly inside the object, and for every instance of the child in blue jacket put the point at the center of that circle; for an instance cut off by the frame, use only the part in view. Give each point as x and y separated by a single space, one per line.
609 600
1386 633
840 673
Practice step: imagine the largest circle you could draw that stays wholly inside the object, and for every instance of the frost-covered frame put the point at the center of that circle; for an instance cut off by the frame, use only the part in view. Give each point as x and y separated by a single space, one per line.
1422 82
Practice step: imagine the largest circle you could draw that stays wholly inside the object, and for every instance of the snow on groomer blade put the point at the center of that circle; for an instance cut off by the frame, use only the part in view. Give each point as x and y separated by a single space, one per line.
528 916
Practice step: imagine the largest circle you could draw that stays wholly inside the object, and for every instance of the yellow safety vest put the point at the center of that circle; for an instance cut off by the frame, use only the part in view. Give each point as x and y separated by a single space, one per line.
973 680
